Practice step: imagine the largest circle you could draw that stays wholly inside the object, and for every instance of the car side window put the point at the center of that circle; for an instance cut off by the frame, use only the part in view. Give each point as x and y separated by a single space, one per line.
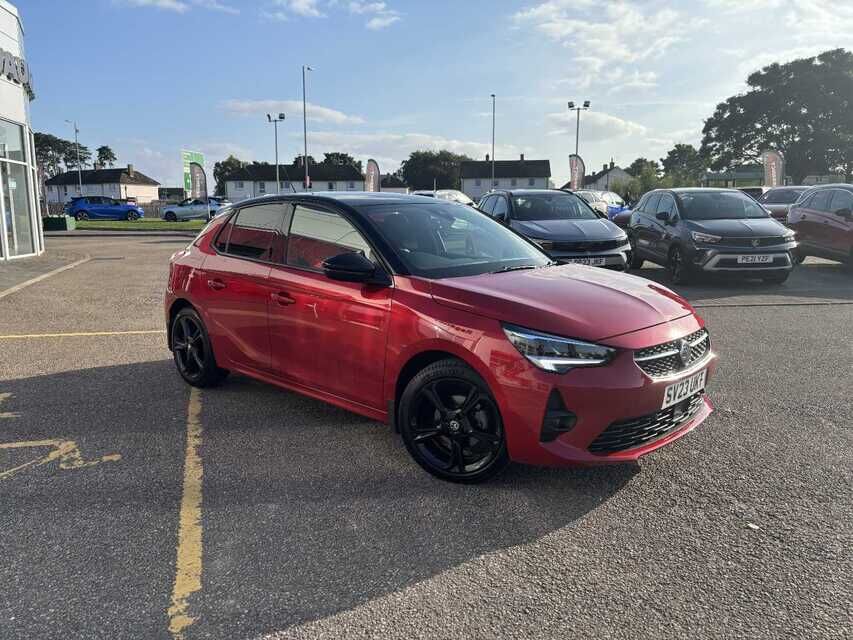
841 199
488 204
317 234
652 205
667 203
820 201
500 206
256 232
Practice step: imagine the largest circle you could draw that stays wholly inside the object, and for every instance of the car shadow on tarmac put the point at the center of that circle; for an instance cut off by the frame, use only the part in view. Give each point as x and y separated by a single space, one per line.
307 510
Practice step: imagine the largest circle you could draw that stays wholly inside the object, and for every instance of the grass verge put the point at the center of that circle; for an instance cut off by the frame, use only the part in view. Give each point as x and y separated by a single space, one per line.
140 225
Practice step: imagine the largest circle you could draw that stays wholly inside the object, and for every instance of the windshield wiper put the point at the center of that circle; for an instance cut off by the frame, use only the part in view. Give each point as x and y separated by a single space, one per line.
516 268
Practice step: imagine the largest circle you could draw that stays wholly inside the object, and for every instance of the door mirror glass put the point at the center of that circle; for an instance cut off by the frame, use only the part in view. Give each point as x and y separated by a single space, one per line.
349 267
500 217
663 216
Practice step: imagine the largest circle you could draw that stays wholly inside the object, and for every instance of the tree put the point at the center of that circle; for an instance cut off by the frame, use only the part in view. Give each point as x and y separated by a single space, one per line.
106 157
50 151
222 169
339 158
684 165
69 158
424 167
801 108
641 165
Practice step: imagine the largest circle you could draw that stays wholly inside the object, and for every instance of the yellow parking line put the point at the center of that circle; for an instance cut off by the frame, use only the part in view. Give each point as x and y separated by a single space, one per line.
188 565
79 334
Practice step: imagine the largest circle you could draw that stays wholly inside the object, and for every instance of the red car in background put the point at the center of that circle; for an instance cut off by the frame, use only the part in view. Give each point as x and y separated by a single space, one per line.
435 318
823 220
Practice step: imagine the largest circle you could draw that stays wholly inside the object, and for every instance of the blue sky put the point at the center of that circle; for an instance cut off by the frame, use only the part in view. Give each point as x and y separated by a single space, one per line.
150 77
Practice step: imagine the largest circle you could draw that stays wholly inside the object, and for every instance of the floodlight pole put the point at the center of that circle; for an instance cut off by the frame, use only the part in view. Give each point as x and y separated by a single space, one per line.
305 124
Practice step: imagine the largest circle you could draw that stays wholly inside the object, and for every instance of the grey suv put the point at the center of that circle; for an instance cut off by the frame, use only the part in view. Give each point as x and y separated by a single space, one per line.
711 231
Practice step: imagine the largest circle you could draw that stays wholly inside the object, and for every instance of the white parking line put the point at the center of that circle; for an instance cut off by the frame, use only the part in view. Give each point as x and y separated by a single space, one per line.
43 276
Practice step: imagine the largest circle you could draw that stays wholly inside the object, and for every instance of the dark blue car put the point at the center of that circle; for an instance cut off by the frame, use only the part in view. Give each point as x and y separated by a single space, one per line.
102 208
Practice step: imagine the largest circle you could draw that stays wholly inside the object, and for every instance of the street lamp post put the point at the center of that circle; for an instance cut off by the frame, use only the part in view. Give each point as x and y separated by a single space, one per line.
305 124
578 109
493 142
77 148
275 121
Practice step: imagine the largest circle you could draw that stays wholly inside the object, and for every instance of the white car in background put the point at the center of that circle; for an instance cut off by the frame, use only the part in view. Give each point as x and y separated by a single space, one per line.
193 209
606 203
446 194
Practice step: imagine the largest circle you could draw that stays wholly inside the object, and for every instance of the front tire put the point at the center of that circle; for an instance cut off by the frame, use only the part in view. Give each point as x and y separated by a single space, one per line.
635 261
678 269
451 424
83 215
193 352
170 216
132 215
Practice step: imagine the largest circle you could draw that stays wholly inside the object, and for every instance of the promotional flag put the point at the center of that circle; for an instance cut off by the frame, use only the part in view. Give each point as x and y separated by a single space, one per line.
774 168
371 182
187 158
577 171
198 184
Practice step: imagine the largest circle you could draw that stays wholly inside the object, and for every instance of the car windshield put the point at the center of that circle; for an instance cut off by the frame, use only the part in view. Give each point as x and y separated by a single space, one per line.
440 239
781 196
551 205
719 205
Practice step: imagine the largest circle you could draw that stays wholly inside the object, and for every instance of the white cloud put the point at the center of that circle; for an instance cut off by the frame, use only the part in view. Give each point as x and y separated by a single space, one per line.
382 15
216 5
293 108
597 126
181 6
304 8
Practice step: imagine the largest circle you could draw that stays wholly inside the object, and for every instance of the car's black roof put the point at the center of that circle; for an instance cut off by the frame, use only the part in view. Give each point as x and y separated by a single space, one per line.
350 198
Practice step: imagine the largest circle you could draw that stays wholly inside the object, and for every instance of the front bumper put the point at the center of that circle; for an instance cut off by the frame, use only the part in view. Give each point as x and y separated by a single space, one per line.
617 259
599 397
714 258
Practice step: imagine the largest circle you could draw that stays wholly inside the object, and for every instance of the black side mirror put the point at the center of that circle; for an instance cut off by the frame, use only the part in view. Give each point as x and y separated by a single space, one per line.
663 216
353 267
844 213
500 217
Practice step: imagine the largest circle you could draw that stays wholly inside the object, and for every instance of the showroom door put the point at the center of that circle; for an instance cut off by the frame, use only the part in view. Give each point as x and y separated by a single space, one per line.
326 334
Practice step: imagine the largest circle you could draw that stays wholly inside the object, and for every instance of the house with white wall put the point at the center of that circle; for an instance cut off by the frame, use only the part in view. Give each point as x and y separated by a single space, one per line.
119 183
392 184
259 179
476 175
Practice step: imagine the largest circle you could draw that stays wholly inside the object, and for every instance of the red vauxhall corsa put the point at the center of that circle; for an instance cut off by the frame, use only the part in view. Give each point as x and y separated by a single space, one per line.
433 317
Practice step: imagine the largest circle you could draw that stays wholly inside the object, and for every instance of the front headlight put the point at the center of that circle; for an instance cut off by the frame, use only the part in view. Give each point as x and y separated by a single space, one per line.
544 244
705 237
554 353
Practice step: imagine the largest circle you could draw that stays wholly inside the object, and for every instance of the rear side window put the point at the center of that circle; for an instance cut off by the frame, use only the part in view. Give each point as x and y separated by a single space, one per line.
316 234
841 199
255 232
820 201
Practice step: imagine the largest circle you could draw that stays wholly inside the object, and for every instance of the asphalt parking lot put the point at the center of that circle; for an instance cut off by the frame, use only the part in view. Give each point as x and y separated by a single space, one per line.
310 522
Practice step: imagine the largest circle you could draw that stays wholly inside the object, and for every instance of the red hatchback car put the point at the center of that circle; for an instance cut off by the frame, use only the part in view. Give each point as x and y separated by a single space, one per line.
433 317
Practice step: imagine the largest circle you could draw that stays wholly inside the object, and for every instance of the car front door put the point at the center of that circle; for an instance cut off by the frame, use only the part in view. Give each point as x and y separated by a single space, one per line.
812 227
237 288
327 335
96 207
665 232
500 211
839 227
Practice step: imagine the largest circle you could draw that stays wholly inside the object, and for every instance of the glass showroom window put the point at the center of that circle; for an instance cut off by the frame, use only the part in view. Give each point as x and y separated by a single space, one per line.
18 223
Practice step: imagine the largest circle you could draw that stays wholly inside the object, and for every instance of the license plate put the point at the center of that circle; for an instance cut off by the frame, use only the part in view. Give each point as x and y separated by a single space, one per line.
754 259
592 262
682 389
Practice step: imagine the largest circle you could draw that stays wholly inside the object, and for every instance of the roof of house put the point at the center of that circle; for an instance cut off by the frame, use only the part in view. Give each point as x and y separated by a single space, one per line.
390 181
506 169
320 172
119 175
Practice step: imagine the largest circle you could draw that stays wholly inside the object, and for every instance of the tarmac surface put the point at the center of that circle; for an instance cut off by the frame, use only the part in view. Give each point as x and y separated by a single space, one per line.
314 522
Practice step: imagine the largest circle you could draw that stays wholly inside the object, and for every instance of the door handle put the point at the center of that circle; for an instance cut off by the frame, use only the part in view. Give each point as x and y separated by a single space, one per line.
283 299
216 285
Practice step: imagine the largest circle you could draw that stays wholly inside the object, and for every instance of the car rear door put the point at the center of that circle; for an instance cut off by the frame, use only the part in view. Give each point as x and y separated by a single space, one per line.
327 335
811 227
839 228
237 288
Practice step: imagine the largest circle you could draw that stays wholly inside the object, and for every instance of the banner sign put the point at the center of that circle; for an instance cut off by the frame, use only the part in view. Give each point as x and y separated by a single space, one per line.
577 170
371 182
774 168
187 158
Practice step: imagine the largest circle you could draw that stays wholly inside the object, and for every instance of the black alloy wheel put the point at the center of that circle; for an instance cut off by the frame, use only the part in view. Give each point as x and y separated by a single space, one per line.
171 217
451 425
132 215
83 215
678 270
192 351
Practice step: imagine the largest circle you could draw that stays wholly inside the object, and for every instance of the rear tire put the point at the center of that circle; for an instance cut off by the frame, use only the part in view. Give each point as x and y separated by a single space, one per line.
82 215
193 352
132 215
451 424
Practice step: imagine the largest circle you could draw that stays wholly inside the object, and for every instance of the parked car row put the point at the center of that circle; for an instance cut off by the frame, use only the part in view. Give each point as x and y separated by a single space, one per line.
102 208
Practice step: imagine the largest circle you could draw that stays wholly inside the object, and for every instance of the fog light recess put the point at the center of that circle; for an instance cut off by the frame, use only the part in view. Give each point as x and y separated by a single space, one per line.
558 419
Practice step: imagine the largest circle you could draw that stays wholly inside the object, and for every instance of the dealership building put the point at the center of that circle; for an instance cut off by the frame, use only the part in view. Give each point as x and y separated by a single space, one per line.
20 223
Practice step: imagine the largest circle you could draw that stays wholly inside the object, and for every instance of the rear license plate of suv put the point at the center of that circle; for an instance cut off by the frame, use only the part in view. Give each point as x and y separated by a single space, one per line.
682 389
754 259
592 262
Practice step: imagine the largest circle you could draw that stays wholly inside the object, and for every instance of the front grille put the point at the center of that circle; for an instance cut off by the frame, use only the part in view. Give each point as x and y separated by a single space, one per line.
770 241
627 434
665 359
592 246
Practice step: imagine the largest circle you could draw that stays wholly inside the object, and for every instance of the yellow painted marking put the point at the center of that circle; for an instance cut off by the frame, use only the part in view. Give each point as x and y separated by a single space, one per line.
188 564
7 414
80 334
65 451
